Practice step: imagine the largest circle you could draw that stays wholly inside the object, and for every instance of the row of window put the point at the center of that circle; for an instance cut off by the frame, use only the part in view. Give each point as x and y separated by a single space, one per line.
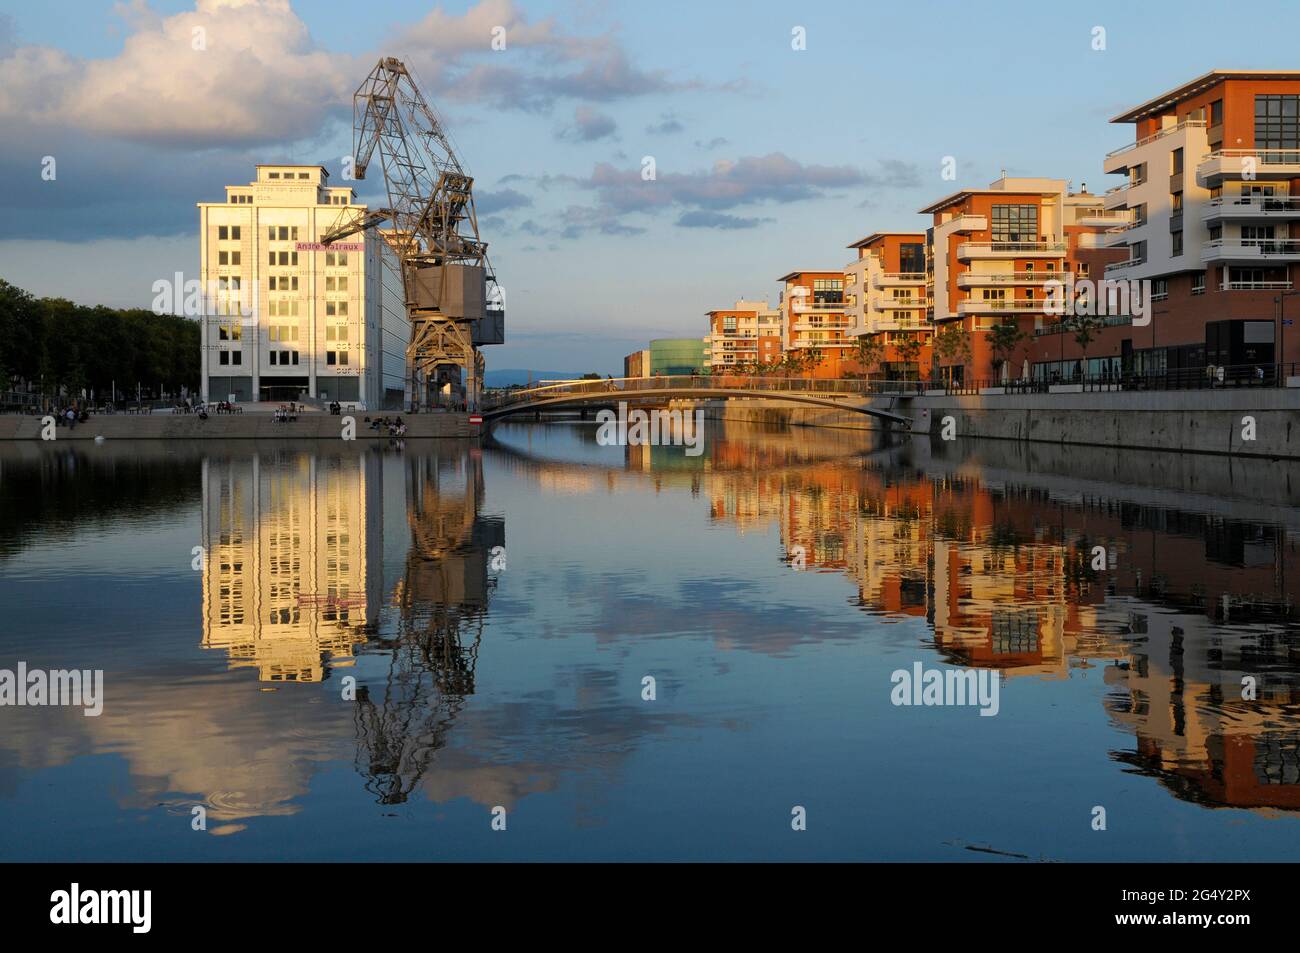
230 331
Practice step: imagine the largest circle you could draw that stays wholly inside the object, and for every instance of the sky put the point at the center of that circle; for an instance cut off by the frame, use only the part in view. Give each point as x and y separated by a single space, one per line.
768 158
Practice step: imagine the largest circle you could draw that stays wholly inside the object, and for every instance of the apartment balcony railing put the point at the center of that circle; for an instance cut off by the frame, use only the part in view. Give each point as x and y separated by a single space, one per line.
1146 140
998 305
1067 326
968 222
821 325
969 250
1102 216
894 278
1255 286
1249 164
1253 206
807 304
975 279
1121 265
1250 249
881 303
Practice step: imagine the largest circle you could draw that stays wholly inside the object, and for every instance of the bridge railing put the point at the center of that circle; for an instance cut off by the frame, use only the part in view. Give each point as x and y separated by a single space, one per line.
647 386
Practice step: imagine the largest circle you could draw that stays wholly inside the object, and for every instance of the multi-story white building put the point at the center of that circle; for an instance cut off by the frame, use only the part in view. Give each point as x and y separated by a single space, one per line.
284 317
747 335
1212 187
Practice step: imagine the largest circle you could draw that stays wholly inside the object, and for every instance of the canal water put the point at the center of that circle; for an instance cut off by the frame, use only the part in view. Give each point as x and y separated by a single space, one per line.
334 651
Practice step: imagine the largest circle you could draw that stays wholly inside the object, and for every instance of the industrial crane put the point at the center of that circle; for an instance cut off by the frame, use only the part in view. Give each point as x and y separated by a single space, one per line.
453 301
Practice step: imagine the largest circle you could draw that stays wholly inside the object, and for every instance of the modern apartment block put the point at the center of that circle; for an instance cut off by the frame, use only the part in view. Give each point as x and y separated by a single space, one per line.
747 335
813 320
989 253
1212 180
885 298
637 364
284 317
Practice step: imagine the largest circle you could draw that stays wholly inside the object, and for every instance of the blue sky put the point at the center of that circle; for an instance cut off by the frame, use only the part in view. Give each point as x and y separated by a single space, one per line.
768 159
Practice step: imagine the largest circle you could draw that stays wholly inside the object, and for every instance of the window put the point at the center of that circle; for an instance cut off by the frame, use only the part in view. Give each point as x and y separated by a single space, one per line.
234 232
1015 223
236 357
273 175
1176 162
340 332
1198 279
1159 289
1175 244
302 175
1138 251
1082 268
1277 125
330 357
222 233
1216 233
223 258
1176 202
1216 113
223 357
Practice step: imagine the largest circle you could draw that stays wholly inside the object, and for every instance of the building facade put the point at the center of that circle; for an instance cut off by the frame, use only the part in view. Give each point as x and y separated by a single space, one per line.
887 304
990 254
286 318
1212 184
814 325
746 336
676 356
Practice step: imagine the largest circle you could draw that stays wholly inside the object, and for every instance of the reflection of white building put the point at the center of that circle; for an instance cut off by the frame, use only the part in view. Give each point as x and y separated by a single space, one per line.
292 568
284 316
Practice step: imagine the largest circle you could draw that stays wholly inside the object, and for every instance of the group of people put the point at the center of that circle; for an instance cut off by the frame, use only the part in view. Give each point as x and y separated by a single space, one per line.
70 417
396 427
226 407
286 412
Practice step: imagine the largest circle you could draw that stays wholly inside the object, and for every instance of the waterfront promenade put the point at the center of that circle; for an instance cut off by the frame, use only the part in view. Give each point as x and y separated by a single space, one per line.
245 426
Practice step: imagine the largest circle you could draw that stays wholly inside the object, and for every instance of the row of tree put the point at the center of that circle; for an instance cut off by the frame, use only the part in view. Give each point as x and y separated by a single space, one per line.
951 343
52 346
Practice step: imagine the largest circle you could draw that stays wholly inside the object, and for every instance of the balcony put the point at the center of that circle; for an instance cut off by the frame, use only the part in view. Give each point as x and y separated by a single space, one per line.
1103 217
1118 266
973 279
820 326
1117 159
801 305
1117 198
961 224
1250 250
1001 306
897 278
1253 164
1252 207
967 251
1255 286
882 303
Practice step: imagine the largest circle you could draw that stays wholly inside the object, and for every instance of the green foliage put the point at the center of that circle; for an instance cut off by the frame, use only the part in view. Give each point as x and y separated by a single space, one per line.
1004 339
53 343
953 341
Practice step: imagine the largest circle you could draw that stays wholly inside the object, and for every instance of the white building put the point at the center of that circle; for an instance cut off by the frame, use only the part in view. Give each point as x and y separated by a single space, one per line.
284 317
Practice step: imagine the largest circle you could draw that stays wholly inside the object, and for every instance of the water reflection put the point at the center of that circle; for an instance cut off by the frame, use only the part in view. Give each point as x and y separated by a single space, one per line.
489 687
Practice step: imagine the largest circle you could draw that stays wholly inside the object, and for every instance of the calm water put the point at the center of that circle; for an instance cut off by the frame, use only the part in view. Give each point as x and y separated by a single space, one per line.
770 587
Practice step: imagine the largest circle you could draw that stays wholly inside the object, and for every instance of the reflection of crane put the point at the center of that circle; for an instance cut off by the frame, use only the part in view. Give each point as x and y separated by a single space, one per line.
452 299
443 600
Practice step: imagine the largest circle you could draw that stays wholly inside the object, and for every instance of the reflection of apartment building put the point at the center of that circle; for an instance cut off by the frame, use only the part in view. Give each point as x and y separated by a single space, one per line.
814 325
1212 182
991 251
885 301
744 336
292 568
285 317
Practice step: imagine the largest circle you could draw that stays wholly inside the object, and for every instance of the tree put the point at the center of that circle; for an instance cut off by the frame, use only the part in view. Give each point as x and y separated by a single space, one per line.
1085 329
953 342
1004 339
869 350
909 349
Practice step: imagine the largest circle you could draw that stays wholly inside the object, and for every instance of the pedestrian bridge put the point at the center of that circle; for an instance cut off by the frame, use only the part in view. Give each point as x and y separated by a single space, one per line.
846 395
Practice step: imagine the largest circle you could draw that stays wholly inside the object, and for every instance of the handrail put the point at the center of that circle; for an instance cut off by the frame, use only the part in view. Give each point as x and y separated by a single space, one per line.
1185 124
